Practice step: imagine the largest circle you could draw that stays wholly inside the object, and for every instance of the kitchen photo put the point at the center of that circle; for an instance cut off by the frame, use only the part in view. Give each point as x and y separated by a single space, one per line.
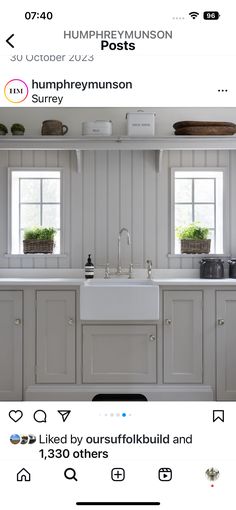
117 254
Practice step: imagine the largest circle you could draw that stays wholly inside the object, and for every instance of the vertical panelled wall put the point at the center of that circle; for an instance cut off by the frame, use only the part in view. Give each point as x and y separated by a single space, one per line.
123 188
119 190
114 189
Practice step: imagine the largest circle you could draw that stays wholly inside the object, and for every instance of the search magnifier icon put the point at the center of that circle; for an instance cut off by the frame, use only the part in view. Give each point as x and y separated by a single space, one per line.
70 474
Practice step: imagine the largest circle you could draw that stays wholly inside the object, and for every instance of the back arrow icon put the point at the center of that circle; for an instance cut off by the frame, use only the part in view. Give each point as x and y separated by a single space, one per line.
8 40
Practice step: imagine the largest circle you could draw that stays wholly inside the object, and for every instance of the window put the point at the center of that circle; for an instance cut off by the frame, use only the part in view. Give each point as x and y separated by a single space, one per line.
199 194
34 200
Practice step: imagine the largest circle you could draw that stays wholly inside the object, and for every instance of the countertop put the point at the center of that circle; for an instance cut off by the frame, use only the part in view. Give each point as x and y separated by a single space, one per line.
200 282
37 282
75 277
76 282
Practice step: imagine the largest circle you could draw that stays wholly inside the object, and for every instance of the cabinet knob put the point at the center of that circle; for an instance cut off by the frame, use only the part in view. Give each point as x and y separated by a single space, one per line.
70 322
221 322
152 338
168 322
17 322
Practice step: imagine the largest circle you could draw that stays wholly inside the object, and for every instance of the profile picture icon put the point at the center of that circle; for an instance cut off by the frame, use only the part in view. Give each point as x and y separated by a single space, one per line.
22 439
16 90
15 439
32 439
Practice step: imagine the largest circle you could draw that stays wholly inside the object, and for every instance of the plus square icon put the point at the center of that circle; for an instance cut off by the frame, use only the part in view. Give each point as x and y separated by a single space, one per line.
117 474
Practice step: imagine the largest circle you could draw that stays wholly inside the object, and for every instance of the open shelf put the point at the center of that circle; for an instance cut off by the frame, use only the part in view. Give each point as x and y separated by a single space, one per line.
118 143
158 144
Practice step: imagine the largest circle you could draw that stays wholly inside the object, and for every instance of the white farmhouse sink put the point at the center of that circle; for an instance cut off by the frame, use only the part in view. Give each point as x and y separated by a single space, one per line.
118 282
119 299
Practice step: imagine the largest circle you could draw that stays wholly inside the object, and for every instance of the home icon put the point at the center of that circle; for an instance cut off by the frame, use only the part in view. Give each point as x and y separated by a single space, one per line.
23 476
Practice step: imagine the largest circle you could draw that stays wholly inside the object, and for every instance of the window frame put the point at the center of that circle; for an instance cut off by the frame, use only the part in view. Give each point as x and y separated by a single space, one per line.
62 207
225 172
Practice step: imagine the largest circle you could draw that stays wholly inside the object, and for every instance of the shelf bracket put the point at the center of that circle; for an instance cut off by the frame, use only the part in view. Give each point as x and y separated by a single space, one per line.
78 160
158 160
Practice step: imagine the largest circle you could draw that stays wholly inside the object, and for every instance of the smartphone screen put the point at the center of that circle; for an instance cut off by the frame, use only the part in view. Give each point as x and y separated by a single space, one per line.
117 255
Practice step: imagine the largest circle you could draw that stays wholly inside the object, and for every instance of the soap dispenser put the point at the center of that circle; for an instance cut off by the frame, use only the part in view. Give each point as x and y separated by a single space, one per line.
89 268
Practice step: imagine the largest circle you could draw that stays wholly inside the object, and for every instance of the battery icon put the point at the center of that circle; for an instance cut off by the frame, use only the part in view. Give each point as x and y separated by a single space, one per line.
211 15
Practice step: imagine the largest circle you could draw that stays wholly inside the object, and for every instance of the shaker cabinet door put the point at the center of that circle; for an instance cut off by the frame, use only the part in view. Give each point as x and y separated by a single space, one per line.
11 345
183 337
226 344
119 354
55 337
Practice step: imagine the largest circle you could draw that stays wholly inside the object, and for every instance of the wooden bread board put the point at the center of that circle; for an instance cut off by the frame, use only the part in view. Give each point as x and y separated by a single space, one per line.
196 123
206 130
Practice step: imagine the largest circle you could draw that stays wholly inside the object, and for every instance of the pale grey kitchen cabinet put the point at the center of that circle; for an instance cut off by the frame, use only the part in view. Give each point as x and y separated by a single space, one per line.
226 344
10 345
119 354
183 336
55 336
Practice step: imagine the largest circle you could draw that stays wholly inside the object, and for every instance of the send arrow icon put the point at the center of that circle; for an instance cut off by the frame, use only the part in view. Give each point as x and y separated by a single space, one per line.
64 414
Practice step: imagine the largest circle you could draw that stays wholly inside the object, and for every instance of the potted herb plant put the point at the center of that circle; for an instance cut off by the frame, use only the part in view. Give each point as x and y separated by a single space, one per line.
17 129
3 130
194 238
39 240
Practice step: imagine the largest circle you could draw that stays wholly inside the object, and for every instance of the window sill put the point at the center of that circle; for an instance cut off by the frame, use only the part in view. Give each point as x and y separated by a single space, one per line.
198 255
35 255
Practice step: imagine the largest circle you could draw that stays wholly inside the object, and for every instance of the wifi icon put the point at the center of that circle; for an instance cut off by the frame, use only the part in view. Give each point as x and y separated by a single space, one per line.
194 14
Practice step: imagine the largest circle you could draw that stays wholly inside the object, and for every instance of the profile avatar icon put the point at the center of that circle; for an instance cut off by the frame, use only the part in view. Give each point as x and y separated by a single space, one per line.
212 474
15 439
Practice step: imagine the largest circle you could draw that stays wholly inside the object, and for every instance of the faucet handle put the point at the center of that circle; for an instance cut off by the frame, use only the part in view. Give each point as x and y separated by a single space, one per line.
131 270
149 269
107 270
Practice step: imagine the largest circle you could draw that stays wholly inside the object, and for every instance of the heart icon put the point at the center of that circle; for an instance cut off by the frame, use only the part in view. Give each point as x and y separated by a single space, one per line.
15 415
